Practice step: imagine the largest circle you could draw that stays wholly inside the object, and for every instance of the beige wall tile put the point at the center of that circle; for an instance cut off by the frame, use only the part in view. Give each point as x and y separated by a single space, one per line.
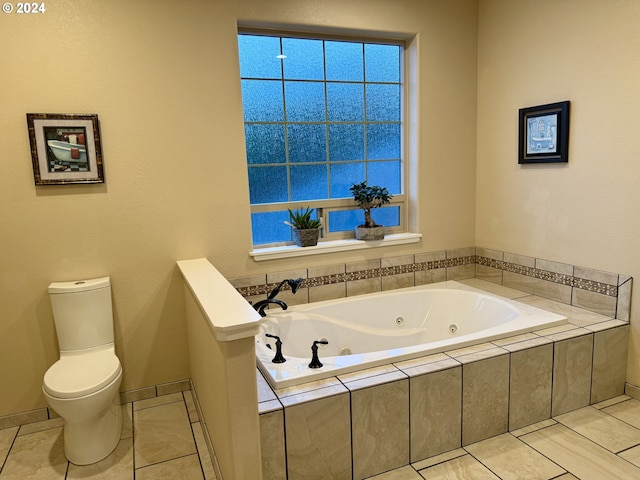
596 275
556 267
391 282
39 415
537 286
173 387
572 364
430 256
461 272
366 285
461 252
136 395
380 428
485 399
489 253
595 302
319 439
519 259
425 277
435 406
272 446
609 363
489 274
530 386
327 292
623 307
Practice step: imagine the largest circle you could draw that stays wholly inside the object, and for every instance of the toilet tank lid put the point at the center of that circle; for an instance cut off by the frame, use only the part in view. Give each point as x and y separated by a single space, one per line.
79 285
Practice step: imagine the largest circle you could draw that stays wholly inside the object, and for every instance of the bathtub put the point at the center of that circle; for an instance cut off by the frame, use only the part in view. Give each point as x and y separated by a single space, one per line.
380 328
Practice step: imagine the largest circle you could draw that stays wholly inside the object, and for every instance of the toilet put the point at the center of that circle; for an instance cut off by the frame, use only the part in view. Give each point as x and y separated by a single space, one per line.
83 386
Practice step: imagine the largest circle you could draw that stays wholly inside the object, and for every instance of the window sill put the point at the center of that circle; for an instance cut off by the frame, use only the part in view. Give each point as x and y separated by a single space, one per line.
291 251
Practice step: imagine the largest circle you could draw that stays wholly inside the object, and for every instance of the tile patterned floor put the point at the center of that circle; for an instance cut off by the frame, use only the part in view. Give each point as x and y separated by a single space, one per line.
599 442
161 439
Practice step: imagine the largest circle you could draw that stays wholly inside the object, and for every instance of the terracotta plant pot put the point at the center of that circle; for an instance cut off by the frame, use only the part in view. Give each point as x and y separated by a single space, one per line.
370 233
306 237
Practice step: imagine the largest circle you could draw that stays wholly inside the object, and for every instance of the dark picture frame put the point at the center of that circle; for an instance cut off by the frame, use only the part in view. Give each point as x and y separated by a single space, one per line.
65 148
544 133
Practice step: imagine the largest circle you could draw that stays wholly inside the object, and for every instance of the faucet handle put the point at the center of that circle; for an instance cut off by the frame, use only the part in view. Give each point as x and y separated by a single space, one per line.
315 361
279 358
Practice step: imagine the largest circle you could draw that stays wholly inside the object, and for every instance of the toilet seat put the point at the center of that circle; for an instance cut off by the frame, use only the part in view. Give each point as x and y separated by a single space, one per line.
77 375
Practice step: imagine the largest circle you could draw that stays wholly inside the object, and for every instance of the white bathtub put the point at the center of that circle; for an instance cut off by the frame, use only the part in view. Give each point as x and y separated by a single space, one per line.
381 328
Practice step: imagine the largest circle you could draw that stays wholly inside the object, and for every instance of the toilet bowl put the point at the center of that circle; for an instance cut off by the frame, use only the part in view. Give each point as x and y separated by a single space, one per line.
83 385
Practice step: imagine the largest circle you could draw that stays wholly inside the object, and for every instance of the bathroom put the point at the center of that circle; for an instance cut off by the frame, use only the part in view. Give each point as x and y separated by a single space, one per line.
163 77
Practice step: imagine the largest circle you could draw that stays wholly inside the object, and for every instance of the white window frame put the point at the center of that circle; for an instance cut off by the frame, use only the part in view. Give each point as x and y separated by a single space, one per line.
345 240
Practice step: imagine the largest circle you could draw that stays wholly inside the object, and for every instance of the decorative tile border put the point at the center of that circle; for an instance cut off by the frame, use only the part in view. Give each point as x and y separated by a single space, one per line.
597 291
559 278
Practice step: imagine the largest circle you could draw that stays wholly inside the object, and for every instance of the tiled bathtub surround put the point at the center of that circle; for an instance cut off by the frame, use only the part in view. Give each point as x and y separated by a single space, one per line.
600 292
403 413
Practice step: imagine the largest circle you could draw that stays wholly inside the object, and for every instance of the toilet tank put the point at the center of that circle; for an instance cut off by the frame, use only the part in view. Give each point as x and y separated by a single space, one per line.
82 313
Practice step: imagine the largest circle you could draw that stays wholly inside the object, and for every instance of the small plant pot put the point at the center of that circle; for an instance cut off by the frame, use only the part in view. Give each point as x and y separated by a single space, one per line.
370 233
306 237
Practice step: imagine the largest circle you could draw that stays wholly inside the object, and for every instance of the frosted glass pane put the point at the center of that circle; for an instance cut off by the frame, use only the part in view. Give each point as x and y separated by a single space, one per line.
346 142
383 141
268 227
387 216
258 57
309 182
385 174
343 175
383 103
265 143
345 102
382 63
344 61
344 220
267 184
262 101
307 143
305 101
304 60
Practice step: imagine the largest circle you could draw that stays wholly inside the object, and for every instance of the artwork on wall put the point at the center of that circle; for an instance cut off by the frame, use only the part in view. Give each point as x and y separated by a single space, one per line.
544 133
65 148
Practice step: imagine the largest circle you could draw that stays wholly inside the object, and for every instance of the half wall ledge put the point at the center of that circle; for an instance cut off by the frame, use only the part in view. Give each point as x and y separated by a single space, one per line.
229 315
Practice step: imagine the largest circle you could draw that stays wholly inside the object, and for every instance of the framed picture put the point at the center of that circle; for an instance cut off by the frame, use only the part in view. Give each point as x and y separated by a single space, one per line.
544 133
65 148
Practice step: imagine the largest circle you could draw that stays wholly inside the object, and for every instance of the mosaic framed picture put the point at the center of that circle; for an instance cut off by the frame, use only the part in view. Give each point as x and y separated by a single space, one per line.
65 148
544 133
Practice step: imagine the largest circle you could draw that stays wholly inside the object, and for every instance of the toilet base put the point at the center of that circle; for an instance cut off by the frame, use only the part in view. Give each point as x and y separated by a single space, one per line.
93 440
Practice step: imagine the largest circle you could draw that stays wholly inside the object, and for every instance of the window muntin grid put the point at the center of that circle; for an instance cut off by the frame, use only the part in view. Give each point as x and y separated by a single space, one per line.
320 115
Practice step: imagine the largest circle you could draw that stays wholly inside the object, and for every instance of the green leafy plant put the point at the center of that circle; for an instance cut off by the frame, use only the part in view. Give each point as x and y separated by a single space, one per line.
368 198
302 220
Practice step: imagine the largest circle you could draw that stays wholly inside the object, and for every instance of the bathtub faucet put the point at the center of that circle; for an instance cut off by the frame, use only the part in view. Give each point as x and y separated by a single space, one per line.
271 298
262 304
293 284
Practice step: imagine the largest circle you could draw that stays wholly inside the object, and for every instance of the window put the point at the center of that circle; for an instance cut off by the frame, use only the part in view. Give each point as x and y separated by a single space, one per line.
320 115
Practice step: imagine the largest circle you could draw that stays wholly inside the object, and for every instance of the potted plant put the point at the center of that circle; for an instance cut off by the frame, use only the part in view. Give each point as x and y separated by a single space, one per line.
368 198
306 230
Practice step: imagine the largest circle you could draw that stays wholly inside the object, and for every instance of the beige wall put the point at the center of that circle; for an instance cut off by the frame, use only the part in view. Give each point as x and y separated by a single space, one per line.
163 77
585 212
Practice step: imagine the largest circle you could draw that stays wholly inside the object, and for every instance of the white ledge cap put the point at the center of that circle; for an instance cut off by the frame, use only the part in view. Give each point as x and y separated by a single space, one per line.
230 315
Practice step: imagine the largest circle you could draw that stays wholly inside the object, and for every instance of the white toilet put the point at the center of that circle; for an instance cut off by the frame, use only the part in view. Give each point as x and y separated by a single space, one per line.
83 386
